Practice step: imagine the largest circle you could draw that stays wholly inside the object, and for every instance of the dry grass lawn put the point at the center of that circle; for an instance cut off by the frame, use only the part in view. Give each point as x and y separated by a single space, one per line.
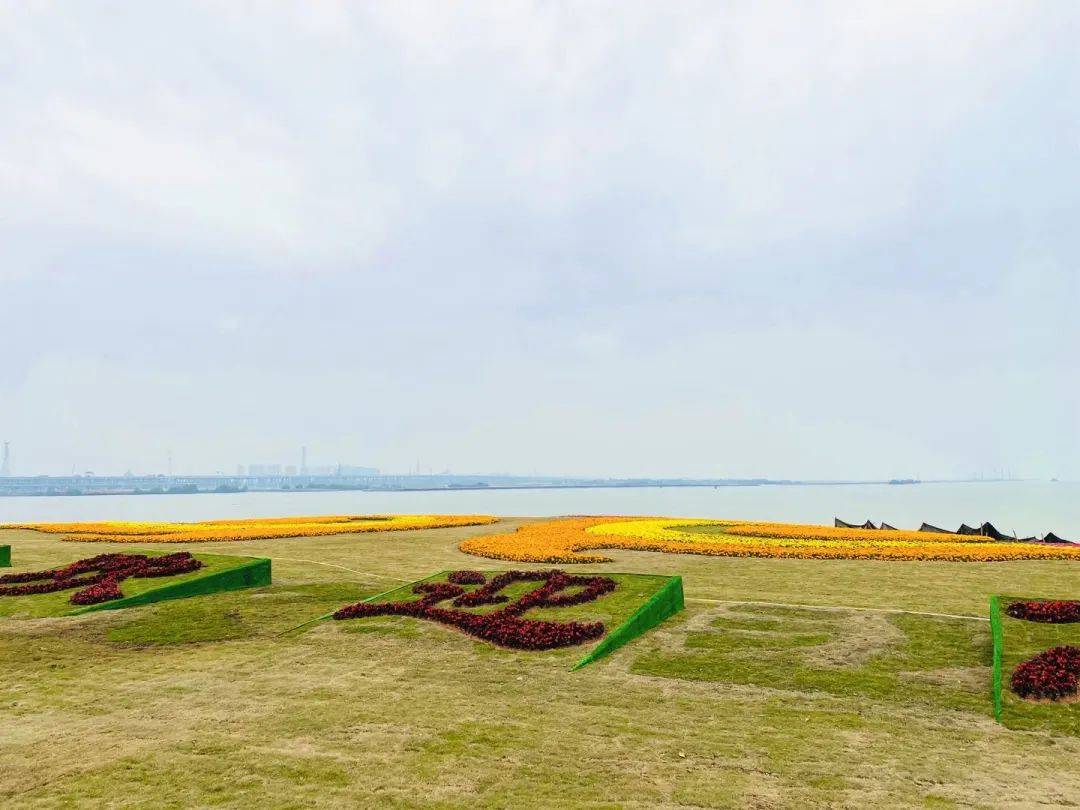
203 702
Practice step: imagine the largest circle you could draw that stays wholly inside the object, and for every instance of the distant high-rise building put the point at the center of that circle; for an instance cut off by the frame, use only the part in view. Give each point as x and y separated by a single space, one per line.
5 461
342 469
345 469
303 460
264 469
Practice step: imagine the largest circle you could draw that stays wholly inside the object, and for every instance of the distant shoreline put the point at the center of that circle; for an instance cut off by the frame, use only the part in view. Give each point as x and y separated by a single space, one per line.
44 487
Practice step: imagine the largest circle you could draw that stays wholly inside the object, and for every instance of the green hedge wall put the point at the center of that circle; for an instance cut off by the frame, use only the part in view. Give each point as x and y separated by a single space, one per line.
5 556
251 574
664 603
996 634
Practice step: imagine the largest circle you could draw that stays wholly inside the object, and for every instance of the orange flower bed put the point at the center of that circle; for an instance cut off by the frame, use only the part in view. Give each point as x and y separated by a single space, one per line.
250 529
568 541
550 541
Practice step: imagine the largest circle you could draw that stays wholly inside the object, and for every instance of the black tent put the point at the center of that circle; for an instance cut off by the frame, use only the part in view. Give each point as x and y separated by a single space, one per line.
887 527
843 524
926 527
965 529
988 530
1053 538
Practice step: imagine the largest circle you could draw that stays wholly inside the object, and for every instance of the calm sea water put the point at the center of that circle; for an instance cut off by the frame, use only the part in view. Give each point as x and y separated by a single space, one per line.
1025 507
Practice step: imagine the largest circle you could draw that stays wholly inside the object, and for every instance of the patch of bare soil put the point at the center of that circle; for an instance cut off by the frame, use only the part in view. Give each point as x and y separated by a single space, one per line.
857 637
964 677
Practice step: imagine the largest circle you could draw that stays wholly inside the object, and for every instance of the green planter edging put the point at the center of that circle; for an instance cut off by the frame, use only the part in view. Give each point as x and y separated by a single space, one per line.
252 574
5 556
664 603
996 634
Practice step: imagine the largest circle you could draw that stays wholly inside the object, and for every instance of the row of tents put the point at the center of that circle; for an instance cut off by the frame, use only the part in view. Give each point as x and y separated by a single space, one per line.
985 530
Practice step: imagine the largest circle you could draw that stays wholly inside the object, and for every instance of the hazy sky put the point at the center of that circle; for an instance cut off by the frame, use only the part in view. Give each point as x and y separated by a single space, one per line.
631 238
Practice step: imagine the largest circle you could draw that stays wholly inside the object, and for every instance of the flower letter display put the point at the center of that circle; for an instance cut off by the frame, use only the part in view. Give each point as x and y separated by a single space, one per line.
1036 662
97 578
450 603
1053 674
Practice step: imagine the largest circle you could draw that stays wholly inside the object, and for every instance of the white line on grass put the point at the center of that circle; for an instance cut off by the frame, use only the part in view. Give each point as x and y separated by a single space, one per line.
838 608
343 568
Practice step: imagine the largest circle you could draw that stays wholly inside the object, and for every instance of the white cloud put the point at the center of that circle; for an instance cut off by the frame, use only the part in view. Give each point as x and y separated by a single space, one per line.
455 209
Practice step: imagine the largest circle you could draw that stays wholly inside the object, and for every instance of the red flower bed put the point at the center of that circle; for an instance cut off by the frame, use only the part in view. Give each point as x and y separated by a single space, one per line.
552 594
1059 612
99 577
1054 674
505 626
466 578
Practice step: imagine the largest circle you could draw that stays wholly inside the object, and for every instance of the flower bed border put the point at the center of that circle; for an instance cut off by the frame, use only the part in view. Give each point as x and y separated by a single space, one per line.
666 602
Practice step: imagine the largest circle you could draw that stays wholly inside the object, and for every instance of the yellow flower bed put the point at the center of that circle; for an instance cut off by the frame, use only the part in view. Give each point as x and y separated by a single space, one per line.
250 529
564 541
795 531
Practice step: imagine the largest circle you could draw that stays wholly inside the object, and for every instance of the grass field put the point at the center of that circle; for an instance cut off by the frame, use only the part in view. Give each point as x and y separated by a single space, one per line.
732 703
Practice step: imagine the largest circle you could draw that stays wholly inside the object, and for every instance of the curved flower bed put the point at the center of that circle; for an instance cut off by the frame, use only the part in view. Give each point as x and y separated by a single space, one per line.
1049 612
98 578
505 626
568 540
250 529
1050 675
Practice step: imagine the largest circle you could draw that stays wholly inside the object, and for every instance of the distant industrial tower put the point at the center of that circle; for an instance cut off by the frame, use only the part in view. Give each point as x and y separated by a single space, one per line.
5 461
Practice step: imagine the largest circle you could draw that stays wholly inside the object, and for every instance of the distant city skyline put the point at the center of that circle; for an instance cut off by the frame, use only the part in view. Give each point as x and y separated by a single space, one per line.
275 468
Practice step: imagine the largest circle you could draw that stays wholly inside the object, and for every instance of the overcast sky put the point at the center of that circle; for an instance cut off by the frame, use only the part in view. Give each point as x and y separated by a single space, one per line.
816 240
